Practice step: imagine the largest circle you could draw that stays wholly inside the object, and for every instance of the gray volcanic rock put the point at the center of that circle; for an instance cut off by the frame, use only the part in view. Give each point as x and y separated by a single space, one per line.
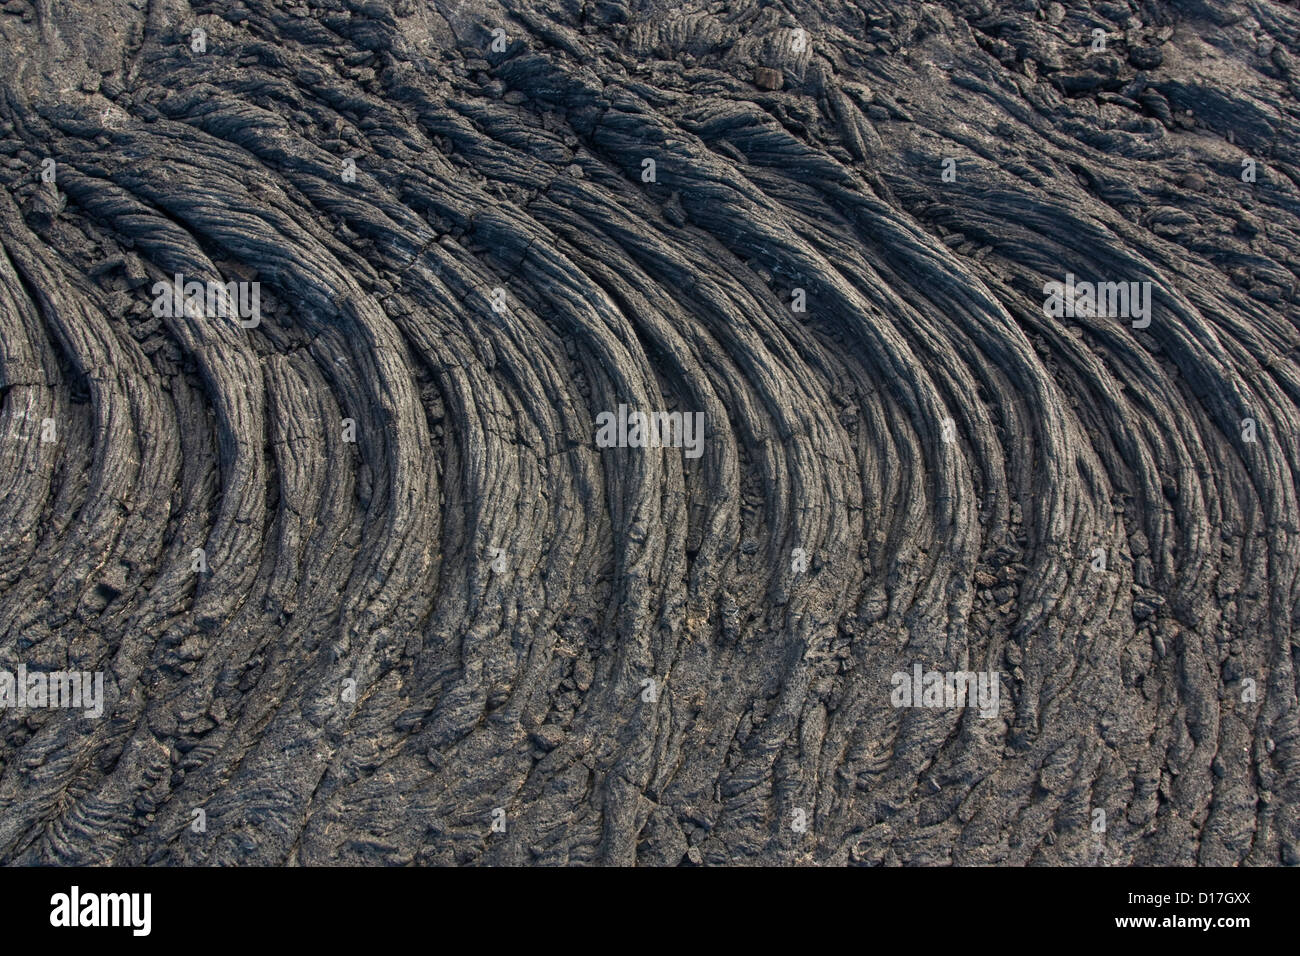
370 558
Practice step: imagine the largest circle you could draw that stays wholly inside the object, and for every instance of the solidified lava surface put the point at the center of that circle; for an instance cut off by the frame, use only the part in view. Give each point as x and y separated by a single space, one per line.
970 334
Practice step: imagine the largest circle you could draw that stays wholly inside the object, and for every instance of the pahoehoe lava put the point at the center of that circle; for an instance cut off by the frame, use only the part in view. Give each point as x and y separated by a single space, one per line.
365 589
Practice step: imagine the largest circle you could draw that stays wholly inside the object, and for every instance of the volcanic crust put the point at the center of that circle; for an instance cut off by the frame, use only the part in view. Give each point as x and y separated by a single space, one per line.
364 587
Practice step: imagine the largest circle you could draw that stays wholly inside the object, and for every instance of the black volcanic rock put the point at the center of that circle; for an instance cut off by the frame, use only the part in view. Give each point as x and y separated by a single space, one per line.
362 580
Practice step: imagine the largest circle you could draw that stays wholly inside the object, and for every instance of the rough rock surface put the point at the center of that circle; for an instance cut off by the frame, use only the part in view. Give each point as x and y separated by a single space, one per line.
470 635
